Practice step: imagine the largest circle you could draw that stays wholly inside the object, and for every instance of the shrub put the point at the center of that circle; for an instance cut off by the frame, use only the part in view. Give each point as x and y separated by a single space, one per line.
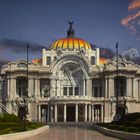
132 117
9 118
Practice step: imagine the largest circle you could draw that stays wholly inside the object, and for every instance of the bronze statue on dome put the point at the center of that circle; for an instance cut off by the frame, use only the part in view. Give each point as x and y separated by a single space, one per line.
70 23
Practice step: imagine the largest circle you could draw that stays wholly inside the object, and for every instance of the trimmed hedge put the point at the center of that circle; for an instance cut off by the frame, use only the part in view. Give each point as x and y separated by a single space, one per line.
12 127
9 118
132 117
129 123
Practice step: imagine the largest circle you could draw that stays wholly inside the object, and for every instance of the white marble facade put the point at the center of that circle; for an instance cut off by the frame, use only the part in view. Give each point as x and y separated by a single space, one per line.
68 86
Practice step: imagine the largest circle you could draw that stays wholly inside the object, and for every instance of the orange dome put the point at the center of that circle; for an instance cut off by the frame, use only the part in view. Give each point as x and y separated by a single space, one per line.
70 44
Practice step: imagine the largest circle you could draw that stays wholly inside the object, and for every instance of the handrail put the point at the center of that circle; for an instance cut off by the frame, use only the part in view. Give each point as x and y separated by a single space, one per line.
4 108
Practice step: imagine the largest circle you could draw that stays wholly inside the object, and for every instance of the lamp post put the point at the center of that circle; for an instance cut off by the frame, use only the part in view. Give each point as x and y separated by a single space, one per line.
124 110
26 96
27 66
117 71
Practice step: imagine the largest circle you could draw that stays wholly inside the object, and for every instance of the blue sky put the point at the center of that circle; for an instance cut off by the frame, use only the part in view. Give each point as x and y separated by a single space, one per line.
40 22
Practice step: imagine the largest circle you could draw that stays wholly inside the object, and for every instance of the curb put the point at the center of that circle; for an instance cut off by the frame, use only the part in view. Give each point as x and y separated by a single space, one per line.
117 134
24 135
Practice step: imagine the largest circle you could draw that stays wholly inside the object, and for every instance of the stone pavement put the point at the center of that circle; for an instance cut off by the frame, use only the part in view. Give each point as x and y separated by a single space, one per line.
71 133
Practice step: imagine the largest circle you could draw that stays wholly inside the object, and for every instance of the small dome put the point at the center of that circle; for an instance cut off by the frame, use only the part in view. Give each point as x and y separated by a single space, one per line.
70 44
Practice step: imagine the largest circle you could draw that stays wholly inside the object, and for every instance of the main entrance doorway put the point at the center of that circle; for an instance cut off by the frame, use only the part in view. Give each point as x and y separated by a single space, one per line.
70 113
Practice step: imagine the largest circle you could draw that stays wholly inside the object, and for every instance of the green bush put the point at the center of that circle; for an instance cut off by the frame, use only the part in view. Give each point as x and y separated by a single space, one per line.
12 127
9 118
132 117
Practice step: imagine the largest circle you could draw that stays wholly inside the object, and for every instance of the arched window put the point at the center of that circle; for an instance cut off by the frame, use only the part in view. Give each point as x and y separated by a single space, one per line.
22 65
92 60
48 60
121 64
55 58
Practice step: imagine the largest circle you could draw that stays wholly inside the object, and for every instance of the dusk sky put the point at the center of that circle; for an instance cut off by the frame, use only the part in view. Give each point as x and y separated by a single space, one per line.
40 22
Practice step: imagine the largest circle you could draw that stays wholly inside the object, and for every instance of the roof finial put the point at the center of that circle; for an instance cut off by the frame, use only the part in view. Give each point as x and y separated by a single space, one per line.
70 23
70 32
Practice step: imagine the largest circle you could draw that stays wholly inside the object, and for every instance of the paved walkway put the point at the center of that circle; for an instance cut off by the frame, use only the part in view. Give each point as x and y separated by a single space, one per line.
71 133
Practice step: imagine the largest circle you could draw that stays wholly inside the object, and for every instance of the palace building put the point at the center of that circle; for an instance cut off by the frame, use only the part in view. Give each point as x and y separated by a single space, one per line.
71 83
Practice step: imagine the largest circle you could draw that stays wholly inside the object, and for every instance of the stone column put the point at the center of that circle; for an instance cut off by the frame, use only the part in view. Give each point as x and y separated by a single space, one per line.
102 113
39 113
8 88
111 87
48 114
30 87
84 87
61 88
65 112
106 87
55 112
92 113
52 90
138 89
89 113
13 88
76 112
129 87
56 87
36 88
13 95
85 112
133 87
73 90
52 112
68 91
89 87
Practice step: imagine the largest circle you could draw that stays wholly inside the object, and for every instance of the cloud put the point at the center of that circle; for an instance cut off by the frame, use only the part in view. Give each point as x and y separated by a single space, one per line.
135 4
104 51
132 20
2 62
17 46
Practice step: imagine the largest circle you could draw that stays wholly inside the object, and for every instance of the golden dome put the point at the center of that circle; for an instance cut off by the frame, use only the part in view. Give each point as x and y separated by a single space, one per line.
70 44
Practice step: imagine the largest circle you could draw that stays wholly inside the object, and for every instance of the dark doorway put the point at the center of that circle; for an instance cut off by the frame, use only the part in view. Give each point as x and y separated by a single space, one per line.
71 113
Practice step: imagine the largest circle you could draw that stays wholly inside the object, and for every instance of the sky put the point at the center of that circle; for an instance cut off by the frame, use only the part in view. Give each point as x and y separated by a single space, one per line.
40 22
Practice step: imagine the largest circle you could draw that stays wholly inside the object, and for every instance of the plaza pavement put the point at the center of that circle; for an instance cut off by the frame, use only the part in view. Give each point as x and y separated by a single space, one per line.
71 133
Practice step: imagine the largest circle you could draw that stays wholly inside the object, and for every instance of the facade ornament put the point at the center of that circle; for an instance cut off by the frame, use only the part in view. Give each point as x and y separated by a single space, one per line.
59 51
82 51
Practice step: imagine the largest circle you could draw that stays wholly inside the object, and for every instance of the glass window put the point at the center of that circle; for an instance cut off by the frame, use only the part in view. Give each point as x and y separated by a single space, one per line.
22 65
120 86
65 91
76 91
70 90
92 60
22 86
95 91
48 60
100 92
55 58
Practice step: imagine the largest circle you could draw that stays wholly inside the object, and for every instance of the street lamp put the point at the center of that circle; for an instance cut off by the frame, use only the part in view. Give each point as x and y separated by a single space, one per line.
117 70
25 100
124 110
